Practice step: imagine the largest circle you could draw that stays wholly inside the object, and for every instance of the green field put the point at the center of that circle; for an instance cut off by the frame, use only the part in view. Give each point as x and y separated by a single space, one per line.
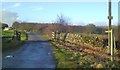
8 33
8 43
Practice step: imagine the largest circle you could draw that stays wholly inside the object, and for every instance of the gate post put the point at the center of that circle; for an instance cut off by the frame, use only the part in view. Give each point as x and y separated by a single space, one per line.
111 49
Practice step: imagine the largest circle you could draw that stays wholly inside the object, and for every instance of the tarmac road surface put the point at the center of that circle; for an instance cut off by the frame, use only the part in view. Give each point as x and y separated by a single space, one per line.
35 53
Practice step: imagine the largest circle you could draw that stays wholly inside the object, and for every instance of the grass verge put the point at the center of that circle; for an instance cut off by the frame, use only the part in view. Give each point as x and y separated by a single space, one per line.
11 44
8 44
67 58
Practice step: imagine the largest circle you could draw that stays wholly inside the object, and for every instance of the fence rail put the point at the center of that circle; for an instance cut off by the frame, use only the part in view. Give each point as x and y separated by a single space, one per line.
7 36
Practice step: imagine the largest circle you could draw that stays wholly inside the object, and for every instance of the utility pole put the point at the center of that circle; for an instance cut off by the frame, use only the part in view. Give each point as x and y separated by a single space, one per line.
109 27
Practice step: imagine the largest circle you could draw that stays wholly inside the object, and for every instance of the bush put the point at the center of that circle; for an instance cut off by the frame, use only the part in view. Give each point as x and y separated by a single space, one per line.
4 25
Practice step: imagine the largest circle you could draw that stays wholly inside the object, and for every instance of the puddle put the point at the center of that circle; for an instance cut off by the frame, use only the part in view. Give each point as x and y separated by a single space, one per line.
49 53
9 56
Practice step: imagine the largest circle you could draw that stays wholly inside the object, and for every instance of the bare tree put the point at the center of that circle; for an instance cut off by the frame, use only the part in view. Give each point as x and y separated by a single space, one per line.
64 21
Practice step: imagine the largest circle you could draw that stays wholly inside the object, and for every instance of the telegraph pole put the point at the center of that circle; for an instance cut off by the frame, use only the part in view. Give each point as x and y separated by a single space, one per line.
109 27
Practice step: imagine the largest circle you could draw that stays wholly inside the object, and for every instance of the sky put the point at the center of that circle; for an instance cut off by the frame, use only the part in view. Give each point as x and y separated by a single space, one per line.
80 13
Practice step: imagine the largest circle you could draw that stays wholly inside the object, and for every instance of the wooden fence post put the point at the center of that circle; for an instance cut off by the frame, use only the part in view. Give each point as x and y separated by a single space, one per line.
112 50
26 36
64 38
114 44
53 35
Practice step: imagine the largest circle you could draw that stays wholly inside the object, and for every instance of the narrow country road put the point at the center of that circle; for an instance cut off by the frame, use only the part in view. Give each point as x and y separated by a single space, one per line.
35 53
